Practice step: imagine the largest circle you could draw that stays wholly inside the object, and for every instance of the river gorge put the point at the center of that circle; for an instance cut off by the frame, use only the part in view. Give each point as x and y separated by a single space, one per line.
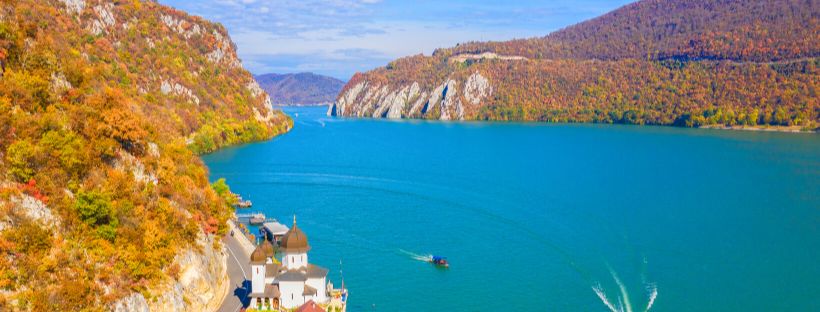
544 216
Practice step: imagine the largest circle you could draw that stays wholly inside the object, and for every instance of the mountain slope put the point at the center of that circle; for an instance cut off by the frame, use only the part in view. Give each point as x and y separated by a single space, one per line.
300 89
741 30
103 108
670 62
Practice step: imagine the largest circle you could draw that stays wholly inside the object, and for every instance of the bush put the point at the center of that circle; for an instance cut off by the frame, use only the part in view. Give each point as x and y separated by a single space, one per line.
20 158
94 208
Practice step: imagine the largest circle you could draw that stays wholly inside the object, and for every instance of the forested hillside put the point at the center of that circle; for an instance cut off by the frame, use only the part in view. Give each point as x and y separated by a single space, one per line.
669 62
300 89
741 30
104 106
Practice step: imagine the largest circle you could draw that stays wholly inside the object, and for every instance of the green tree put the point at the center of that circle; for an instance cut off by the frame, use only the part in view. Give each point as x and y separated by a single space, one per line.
224 191
94 208
20 157
68 148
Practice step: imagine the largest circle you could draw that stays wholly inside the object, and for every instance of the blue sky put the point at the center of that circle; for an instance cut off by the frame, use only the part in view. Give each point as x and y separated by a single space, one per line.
340 37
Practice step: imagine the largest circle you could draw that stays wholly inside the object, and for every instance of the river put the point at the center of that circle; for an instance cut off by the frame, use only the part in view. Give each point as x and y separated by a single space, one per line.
545 216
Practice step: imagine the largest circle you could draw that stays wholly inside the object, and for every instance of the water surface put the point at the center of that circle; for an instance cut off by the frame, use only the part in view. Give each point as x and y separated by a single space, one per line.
545 217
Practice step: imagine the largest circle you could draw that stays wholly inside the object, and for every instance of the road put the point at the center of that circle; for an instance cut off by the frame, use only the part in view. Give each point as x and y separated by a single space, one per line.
239 271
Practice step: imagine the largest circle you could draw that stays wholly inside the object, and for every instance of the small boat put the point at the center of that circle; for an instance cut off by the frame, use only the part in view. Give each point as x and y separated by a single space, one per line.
257 219
242 203
439 261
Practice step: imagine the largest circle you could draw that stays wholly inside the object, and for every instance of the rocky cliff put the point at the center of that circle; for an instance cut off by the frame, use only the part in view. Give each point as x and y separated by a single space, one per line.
667 62
449 99
202 283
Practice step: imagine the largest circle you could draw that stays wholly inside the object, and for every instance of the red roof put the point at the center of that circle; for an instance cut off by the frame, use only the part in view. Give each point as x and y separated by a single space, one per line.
310 306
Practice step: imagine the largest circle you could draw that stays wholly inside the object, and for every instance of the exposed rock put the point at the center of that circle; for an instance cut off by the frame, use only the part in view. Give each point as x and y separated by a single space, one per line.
393 105
105 18
202 284
435 98
477 88
59 83
134 303
34 209
181 27
416 108
127 162
444 102
254 88
167 87
223 52
153 149
451 102
338 108
74 6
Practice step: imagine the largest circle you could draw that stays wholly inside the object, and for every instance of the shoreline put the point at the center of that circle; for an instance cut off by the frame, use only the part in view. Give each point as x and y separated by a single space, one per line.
761 129
778 129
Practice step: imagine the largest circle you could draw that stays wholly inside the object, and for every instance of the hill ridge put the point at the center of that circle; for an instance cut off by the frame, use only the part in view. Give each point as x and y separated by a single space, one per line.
665 62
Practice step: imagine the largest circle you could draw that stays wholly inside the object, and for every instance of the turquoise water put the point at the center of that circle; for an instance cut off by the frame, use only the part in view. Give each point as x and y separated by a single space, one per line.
539 217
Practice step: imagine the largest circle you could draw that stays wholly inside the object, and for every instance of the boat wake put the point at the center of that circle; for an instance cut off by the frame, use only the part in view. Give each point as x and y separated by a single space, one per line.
624 304
416 256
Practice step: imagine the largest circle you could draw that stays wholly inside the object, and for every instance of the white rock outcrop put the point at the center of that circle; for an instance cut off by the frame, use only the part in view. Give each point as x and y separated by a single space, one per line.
105 18
181 27
126 162
59 83
74 6
221 54
171 87
477 88
202 284
446 101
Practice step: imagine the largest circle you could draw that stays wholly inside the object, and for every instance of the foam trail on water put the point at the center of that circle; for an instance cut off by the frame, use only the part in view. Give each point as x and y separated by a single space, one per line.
624 293
653 293
651 288
600 292
416 256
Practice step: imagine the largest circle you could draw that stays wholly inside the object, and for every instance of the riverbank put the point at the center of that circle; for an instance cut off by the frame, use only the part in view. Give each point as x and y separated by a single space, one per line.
786 129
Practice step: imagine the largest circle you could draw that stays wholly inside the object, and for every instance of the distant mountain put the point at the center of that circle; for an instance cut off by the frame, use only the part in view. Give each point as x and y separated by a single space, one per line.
300 89
692 63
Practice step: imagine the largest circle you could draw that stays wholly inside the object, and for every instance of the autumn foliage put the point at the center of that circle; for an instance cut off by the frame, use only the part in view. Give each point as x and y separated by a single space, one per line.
101 123
665 62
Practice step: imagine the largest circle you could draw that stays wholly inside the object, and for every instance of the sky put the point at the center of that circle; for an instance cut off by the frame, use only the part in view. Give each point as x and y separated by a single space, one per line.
340 37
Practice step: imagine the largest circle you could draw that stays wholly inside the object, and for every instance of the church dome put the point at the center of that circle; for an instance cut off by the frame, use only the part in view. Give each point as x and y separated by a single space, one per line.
267 248
258 256
295 240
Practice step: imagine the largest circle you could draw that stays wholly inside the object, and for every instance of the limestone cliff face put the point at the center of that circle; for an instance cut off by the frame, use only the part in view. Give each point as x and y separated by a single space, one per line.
448 99
201 286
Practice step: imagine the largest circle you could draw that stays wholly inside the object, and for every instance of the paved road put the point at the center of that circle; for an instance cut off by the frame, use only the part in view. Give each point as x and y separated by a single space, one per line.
239 271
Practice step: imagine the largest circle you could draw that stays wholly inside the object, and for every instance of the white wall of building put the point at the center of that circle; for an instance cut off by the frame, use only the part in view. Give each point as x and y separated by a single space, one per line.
258 278
321 288
292 294
294 261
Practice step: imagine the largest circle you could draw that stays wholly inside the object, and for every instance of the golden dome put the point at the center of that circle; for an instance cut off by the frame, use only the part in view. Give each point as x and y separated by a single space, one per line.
295 240
258 256
267 247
